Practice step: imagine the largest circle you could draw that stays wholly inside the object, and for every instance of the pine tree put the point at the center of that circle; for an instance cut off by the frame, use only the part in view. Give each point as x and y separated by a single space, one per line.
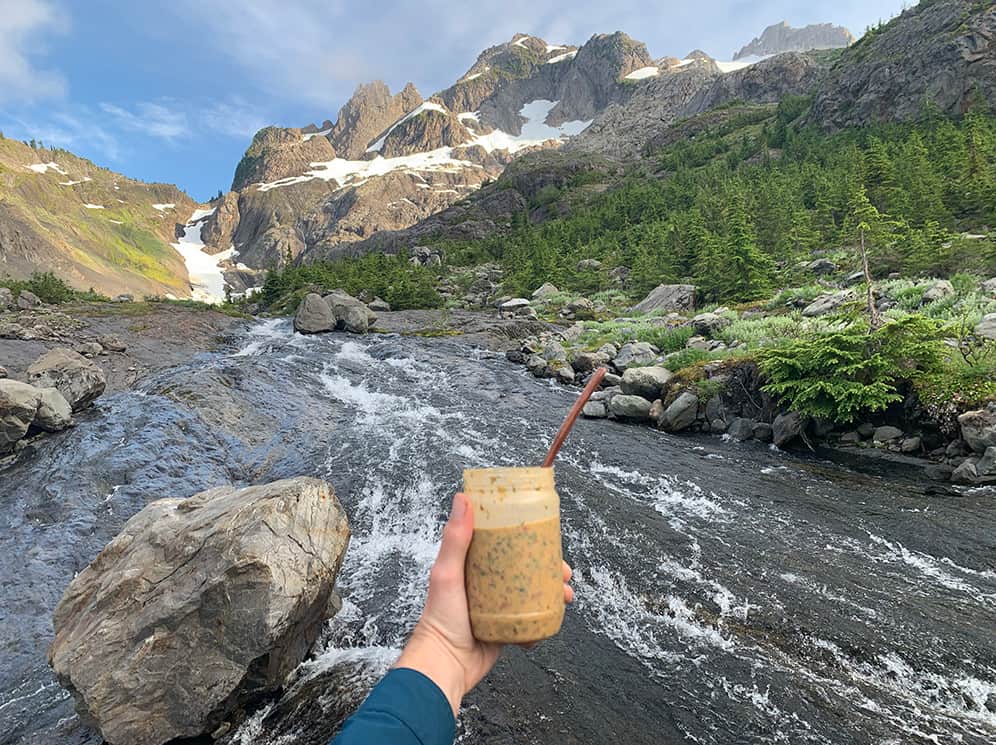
748 276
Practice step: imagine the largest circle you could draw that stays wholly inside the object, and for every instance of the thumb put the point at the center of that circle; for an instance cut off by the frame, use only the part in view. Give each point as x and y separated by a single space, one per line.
459 529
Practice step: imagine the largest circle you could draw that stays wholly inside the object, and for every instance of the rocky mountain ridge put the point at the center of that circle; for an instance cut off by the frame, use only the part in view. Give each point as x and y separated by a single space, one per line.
390 161
781 37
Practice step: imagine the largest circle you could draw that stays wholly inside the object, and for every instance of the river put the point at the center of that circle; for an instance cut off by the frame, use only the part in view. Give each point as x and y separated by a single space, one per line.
726 593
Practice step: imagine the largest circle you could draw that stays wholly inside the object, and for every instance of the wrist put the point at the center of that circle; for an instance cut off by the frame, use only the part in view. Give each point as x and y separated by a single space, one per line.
426 652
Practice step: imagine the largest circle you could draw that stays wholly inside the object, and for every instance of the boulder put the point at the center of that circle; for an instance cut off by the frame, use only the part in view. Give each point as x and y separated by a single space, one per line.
545 291
377 305
645 381
588 265
987 463
27 300
352 318
314 315
630 407
3 372
854 278
966 472
595 410
581 308
986 328
741 429
911 445
938 472
886 434
536 365
563 372
634 354
54 412
680 415
78 379
111 343
708 324
351 314
978 428
821 266
18 406
988 287
588 361
763 432
866 429
553 351
850 438
199 608
517 306
938 291
786 428
698 342
89 348
828 303
666 298
123 298
6 298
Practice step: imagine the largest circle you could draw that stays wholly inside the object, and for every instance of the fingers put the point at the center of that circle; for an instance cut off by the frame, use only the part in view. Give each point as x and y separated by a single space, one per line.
568 594
459 529
568 572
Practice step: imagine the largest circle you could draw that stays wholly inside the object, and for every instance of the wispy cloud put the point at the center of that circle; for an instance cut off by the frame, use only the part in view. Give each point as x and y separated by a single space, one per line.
154 119
23 26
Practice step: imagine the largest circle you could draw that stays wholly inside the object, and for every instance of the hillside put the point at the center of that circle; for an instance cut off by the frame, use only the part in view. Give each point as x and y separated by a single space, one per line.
92 227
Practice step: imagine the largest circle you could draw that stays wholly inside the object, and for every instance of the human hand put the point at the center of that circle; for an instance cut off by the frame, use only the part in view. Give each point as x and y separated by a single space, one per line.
442 646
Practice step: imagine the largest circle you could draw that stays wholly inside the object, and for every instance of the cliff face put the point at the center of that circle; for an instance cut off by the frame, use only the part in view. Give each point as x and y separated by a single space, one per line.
940 53
780 37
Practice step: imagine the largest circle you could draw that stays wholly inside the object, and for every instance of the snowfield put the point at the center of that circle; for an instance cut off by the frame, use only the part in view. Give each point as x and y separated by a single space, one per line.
207 283
643 73
46 167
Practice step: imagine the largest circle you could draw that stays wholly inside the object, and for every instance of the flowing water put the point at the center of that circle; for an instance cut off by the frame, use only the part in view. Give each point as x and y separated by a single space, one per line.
726 593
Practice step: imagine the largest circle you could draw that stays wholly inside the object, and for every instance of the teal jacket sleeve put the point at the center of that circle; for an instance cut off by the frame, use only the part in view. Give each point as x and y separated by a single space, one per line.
404 708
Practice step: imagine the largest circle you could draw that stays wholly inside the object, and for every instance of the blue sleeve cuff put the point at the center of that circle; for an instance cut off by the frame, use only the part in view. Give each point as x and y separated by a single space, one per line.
404 702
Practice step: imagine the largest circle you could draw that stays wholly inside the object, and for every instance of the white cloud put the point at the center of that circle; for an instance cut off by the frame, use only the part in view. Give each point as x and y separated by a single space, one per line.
23 24
234 118
154 119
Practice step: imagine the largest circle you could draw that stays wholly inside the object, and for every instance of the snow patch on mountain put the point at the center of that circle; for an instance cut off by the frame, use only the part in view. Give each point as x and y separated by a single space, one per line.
739 64
309 135
561 57
207 282
74 183
93 206
535 130
423 107
46 167
643 73
163 207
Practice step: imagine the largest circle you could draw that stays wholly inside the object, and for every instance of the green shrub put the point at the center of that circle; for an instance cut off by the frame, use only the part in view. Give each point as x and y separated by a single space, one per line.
841 374
48 287
664 338
761 331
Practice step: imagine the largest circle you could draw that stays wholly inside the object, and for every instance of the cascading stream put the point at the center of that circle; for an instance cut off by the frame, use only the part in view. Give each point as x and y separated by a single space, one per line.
727 593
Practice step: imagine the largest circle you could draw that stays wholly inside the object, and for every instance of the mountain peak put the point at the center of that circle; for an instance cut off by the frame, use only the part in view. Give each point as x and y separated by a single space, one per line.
781 37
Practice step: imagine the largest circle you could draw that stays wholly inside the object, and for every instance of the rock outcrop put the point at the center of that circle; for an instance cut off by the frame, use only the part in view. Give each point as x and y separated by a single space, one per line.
198 608
940 53
781 37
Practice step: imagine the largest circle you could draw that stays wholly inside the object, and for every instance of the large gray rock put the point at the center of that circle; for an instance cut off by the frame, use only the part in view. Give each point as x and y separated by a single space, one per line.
595 410
79 380
630 407
978 428
54 412
6 298
588 361
941 289
27 300
667 297
517 306
18 406
886 434
680 414
708 324
821 266
314 315
350 314
544 291
828 303
787 427
986 328
634 354
741 429
198 607
645 381
987 463
989 287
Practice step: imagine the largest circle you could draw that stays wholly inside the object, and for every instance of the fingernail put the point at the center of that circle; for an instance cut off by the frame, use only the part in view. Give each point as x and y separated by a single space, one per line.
459 507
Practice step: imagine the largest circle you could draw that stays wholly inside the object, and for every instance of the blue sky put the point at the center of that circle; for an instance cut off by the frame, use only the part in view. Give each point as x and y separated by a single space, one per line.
174 91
